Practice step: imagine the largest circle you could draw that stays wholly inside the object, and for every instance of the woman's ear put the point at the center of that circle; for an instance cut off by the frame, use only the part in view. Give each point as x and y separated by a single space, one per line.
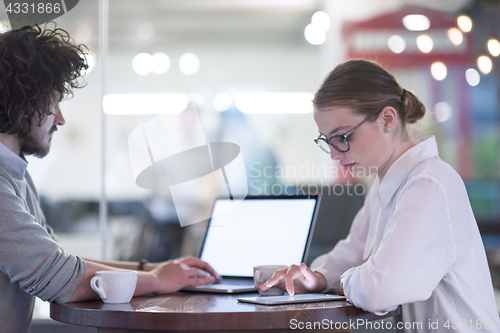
389 116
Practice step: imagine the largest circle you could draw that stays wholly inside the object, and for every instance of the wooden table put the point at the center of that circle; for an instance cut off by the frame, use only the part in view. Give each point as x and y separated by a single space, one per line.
195 312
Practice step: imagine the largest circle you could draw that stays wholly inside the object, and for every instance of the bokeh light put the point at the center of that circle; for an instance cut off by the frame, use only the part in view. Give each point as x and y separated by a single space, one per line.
396 43
455 36
439 71
416 22
494 47
442 111
322 20
90 59
484 64
222 102
425 43
161 63
84 33
189 63
314 34
3 28
472 76
143 63
145 30
464 23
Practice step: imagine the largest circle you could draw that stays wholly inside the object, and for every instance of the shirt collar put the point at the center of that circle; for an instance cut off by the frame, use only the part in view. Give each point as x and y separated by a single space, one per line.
402 167
12 160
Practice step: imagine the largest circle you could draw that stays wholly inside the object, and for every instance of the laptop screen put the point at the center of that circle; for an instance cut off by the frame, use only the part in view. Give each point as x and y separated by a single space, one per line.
258 231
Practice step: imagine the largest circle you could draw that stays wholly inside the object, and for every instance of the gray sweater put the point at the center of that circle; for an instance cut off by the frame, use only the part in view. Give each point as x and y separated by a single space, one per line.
31 262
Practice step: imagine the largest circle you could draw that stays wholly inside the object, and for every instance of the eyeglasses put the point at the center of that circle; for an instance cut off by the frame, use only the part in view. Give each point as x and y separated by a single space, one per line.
339 142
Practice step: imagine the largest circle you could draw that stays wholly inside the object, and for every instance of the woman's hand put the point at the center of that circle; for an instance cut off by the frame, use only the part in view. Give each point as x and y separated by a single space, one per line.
176 274
295 280
341 291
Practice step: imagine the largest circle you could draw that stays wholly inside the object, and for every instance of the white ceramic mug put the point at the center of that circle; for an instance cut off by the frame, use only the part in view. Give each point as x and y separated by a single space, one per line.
263 273
114 286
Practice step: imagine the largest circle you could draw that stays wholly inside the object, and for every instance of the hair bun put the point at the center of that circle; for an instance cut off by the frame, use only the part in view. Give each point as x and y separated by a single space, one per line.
412 107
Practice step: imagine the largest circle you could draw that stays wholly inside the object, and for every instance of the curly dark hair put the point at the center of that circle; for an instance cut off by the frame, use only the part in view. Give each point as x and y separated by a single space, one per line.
35 64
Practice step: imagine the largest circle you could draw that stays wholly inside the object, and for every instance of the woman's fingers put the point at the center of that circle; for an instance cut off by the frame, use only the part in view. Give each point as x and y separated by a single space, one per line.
310 279
274 281
292 279
306 271
292 273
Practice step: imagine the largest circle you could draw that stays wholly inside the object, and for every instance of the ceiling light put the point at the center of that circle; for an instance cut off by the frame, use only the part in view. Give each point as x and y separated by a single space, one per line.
494 47
439 71
425 43
472 76
484 63
396 43
455 36
143 63
464 23
189 63
416 22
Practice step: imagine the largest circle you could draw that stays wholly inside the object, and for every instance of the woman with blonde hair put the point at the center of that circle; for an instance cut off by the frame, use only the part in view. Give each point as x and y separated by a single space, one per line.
415 242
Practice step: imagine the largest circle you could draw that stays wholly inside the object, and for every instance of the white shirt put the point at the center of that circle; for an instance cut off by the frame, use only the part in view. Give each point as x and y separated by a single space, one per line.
415 243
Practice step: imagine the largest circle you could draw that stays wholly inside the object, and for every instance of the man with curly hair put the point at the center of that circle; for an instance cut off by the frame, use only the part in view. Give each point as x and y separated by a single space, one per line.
38 68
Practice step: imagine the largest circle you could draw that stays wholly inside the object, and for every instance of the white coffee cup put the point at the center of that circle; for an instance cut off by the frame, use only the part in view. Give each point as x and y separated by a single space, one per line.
263 273
114 286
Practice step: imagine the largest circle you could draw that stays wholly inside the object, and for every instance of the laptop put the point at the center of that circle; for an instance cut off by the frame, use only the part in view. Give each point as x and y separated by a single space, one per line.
259 230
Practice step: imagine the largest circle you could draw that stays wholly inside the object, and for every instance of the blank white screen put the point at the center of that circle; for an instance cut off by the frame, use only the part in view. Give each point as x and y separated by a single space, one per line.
257 232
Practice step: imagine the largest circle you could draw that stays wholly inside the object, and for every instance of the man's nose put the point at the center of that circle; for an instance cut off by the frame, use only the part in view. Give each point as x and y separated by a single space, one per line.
59 119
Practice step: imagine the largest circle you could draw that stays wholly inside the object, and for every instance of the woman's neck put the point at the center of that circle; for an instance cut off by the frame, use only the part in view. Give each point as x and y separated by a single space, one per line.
399 150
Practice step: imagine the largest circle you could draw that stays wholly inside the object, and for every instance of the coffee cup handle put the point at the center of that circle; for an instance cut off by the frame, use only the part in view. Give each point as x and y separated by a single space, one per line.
98 288
257 275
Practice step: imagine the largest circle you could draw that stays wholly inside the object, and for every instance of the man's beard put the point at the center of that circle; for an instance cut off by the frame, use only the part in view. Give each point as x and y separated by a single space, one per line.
33 144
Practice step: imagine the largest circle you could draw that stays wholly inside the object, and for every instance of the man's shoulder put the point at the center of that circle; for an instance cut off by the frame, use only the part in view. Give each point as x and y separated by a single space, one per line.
7 181
5 176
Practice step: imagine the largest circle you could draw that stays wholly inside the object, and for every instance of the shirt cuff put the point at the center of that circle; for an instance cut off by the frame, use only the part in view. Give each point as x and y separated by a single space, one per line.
378 313
342 278
381 313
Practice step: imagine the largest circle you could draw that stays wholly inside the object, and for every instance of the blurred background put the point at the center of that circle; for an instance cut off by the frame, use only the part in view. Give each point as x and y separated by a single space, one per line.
250 67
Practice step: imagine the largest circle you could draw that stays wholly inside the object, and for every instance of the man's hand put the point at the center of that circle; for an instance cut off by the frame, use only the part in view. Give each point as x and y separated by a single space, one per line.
295 280
176 274
161 278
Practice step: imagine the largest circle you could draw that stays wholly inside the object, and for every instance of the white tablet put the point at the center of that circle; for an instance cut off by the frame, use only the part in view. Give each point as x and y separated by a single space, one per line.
301 298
